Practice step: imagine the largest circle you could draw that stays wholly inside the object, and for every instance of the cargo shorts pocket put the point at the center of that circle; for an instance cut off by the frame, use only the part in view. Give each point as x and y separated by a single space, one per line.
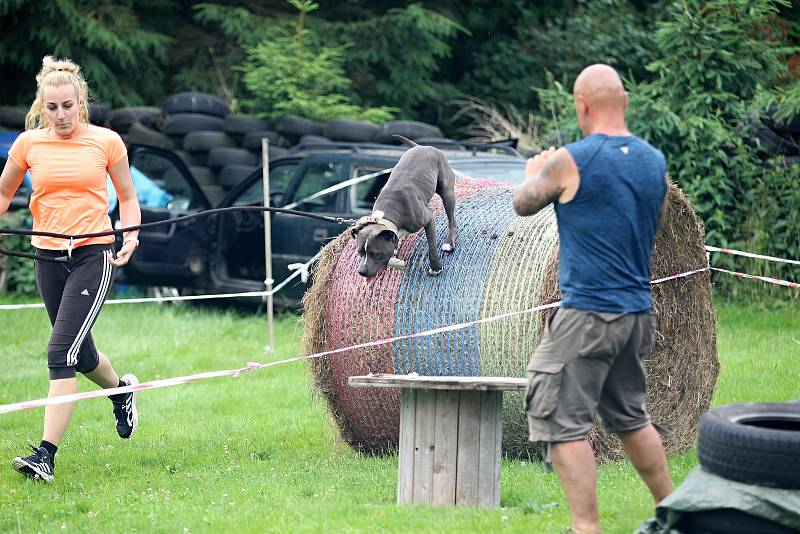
544 385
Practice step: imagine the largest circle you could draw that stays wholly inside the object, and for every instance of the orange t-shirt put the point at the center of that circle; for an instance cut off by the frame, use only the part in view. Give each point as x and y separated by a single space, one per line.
70 194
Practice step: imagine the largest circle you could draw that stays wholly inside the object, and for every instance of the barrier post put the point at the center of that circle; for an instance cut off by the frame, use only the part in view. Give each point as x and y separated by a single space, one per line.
267 245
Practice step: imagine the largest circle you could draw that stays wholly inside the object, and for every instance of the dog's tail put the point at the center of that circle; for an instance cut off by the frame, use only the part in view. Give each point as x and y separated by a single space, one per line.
406 141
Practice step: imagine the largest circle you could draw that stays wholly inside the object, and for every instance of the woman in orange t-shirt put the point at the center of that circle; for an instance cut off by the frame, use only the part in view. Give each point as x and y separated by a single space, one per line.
69 160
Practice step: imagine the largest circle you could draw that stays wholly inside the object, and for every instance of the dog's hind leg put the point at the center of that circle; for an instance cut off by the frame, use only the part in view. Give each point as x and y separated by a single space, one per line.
446 189
430 232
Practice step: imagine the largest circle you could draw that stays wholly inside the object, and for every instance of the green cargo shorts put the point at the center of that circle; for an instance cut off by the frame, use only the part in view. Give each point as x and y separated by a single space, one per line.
588 362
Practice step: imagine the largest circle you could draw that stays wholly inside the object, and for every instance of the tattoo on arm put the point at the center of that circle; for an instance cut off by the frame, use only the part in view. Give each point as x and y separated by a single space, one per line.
542 189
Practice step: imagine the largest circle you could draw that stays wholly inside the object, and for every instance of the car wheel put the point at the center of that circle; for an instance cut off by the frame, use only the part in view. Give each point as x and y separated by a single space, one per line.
755 443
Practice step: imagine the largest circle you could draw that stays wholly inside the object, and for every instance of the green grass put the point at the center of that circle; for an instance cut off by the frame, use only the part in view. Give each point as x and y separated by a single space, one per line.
260 453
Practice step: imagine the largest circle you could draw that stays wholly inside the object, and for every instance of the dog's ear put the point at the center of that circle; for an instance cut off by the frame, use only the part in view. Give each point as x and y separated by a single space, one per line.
388 235
355 229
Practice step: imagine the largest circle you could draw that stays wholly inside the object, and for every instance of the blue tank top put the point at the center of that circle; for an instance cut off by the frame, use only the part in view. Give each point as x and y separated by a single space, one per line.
606 232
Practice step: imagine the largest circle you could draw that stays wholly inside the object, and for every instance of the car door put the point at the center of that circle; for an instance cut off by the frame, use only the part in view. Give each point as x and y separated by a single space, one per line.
295 238
240 262
170 254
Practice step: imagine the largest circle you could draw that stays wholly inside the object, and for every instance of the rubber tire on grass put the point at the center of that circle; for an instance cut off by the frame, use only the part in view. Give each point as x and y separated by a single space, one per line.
350 130
184 123
295 127
204 140
754 443
195 102
409 129
728 521
252 140
233 174
220 156
442 143
244 124
13 117
142 135
204 176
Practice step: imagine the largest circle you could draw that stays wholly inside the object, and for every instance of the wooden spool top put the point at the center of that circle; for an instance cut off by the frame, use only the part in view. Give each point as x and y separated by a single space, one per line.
413 380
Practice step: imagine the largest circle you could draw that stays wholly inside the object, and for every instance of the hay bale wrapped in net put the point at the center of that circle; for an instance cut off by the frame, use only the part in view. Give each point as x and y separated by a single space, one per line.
502 263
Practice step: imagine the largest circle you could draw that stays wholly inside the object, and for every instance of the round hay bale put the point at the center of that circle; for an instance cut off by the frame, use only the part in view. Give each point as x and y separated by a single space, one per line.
502 263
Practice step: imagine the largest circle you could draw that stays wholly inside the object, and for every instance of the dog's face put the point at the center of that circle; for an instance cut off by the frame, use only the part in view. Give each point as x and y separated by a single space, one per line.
376 245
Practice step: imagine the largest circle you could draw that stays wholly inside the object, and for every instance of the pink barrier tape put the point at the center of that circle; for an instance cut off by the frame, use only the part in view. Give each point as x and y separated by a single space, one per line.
251 366
254 366
750 255
676 276
767 279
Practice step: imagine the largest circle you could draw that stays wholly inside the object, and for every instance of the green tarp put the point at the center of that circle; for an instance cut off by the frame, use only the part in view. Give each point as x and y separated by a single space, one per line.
704 491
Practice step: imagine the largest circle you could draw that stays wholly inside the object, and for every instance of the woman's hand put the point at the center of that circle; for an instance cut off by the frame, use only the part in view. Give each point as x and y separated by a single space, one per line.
125 253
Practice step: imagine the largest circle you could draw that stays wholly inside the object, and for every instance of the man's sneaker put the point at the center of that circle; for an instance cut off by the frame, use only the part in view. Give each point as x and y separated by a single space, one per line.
38 465
125 410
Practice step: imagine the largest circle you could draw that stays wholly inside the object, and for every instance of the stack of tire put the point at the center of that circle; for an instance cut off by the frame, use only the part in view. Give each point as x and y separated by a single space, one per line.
756 444
777 137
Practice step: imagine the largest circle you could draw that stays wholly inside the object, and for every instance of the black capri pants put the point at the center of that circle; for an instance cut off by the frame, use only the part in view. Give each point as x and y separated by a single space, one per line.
73 293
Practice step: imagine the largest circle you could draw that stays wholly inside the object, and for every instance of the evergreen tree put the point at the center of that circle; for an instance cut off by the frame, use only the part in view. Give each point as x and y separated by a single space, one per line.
121 47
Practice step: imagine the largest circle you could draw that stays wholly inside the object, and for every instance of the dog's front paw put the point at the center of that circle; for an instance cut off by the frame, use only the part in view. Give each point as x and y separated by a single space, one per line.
447 247
434 273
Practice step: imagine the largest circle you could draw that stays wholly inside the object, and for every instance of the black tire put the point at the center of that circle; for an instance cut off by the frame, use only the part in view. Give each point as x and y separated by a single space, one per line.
204 176
195 102
184 123
350 130
772 143
232 174
219 156
192 159
409 129
314 140
204 140
277 152
13 117
440 142
252 140
244 124
296 127
755 443
97 112
141 135
728 521
120 119
214 194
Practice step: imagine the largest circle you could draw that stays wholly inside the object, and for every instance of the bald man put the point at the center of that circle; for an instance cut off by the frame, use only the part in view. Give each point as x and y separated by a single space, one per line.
609 192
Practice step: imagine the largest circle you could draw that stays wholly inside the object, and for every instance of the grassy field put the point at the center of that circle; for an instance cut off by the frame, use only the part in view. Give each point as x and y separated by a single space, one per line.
258 453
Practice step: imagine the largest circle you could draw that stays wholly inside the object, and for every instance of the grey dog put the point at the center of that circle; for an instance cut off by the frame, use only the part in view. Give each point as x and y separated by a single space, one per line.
402 208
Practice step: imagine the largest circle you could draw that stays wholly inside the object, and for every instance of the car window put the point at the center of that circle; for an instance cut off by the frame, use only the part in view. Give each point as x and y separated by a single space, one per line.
503 171
363 194
167 180
316 177
279 178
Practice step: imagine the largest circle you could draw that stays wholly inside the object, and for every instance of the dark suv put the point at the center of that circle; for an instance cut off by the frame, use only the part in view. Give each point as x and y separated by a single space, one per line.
225 253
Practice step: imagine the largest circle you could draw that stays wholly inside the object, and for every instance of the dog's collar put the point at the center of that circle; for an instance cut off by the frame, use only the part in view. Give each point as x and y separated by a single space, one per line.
376 217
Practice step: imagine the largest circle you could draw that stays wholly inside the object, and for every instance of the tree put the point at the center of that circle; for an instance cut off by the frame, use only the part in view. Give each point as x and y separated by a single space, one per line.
121 48
294 73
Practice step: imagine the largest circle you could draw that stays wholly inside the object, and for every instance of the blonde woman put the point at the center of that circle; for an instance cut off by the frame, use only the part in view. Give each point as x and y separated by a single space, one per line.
69 160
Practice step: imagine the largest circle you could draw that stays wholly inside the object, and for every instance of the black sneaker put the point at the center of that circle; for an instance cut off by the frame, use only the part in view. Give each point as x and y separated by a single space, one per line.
125 410
38 466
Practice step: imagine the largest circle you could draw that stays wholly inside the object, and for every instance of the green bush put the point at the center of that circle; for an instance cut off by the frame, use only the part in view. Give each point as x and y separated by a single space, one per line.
719 64
19 274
